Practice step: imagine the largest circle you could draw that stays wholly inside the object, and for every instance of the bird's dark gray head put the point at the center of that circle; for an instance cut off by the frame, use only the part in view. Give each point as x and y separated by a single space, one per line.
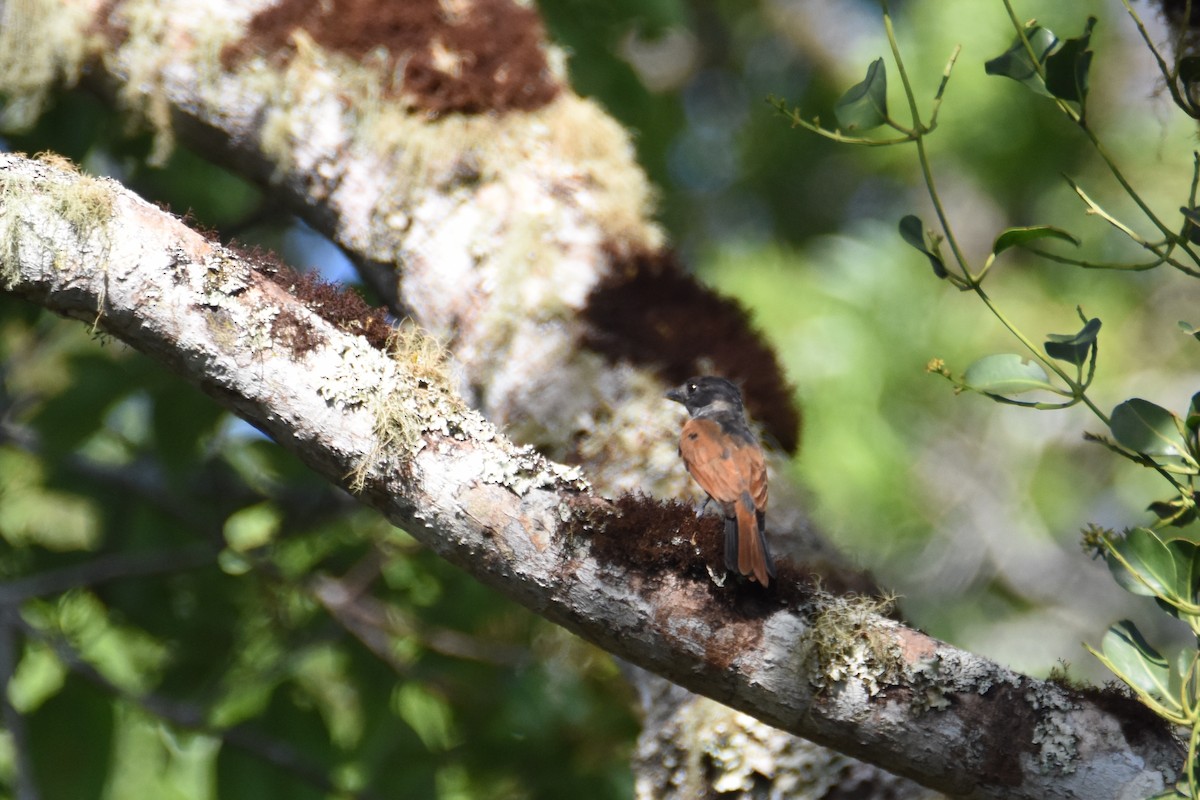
707 394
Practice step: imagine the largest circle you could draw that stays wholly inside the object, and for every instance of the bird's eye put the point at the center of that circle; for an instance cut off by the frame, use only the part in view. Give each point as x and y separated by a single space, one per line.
692 387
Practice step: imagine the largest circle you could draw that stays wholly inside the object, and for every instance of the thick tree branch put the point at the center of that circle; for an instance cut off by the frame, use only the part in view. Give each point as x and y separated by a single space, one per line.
827 668
520 237
522 240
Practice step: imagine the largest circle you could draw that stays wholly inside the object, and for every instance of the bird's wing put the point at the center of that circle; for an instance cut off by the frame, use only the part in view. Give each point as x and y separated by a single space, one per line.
724 466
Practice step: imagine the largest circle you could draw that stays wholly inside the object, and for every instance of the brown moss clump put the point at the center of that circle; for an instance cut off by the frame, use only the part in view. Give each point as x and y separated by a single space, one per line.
467 57
340 306
654 538
651 311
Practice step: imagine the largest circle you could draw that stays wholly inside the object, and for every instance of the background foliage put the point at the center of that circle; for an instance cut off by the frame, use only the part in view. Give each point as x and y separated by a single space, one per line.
164 567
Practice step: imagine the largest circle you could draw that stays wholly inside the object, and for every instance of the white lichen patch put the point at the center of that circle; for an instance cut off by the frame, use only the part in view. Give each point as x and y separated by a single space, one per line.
950 671
416 400
311 126
958 672
1055 734
352 374
258 332
736 755
524 470
223 277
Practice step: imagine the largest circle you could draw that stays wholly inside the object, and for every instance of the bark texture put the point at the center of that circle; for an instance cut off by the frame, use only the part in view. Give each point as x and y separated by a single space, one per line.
829 668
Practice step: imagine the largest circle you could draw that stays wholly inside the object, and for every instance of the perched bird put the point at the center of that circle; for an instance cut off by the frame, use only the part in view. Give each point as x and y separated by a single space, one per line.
723 455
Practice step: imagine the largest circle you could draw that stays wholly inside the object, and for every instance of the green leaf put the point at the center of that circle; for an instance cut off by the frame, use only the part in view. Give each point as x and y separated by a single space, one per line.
1188 328
864 106
1177 511
1186 555
1015 62
253 526
1067 67
912 230
1073 347
1006 374
1151 561
38 677
1144 427
1193 415
1183 674
31 513
1134 661
427 714
1020 236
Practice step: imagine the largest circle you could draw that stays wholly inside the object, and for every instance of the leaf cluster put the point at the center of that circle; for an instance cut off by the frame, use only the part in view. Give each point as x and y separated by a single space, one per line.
1147 564
1064 365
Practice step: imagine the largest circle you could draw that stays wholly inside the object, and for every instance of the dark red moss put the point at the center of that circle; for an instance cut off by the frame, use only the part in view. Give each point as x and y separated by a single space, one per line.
651 311
340 306
654 538
485 56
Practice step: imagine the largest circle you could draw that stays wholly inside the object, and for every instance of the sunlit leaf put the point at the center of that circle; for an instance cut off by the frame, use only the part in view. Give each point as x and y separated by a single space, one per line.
864 105
1020 236
1073 347
1006 374
1151 561
428 714
38 677
1137 663
30 513
322 675
253 526
1144 427
912 230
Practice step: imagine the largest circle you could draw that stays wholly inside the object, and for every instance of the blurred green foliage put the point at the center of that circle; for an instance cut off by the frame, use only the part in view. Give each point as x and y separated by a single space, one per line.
163 565
970 509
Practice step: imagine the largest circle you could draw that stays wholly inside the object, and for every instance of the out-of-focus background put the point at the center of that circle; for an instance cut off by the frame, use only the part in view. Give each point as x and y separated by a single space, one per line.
969 509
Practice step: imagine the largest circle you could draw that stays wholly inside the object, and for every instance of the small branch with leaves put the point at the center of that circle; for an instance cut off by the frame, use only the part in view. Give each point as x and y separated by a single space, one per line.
1143 560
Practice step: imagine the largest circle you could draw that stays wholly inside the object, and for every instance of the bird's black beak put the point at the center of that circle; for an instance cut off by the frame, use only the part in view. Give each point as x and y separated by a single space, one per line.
675 394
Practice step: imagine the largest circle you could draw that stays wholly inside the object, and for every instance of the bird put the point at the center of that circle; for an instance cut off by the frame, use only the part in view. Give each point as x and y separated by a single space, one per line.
723 455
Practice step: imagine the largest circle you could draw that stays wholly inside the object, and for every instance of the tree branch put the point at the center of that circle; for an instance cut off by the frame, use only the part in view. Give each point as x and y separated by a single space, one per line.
505 214
828 668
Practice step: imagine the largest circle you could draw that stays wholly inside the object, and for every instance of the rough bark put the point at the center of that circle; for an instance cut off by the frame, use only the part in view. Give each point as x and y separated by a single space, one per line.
826 667
520 237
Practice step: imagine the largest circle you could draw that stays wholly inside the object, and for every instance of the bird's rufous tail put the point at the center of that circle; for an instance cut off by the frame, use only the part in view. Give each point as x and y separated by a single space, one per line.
752 556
